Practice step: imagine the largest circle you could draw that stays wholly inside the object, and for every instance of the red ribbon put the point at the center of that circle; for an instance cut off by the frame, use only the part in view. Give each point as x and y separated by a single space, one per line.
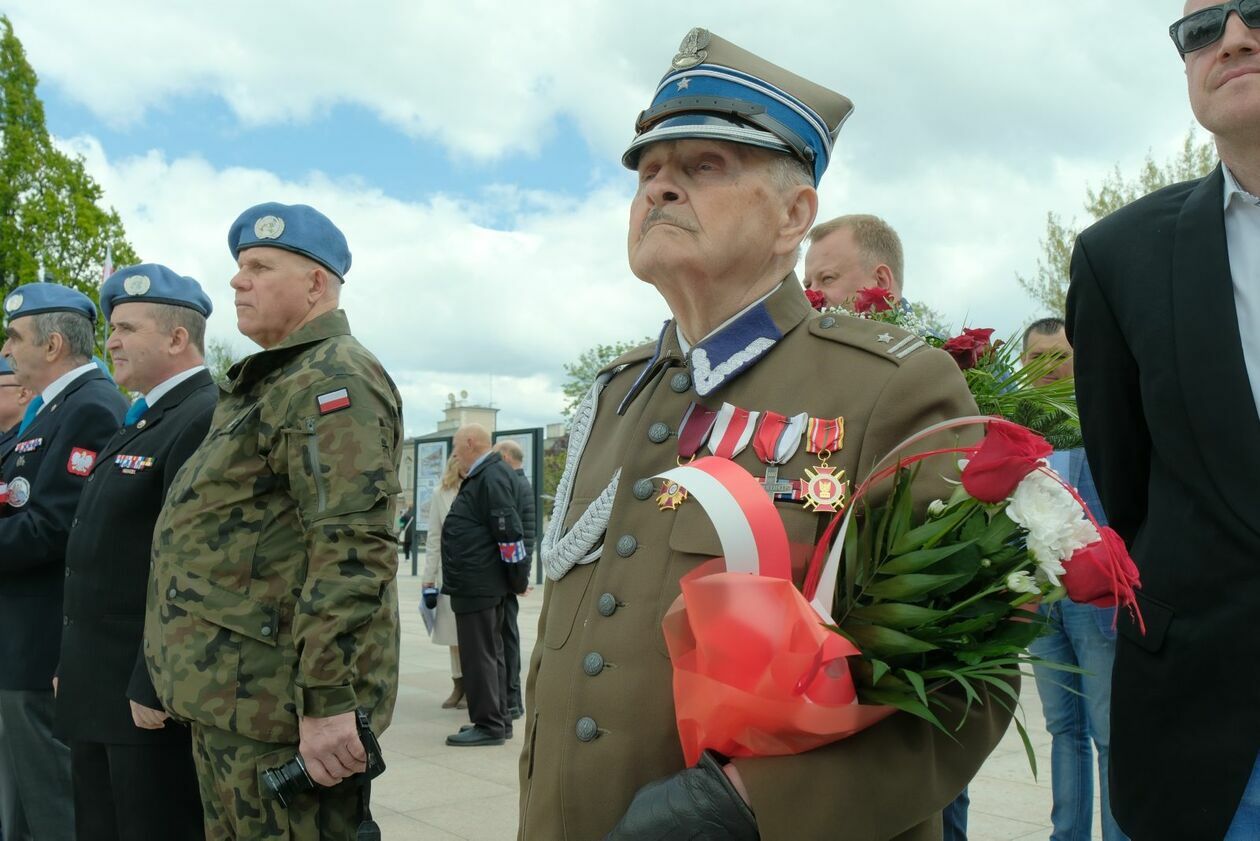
824 434
696 424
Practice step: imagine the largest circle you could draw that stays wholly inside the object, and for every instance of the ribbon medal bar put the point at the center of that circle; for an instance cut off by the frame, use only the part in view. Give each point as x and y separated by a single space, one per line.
776 441
696 424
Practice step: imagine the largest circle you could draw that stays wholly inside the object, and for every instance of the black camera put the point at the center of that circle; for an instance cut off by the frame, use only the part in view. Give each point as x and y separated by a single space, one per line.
291 779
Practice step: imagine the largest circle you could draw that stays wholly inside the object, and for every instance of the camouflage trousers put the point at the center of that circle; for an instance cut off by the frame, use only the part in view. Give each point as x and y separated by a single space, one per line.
238 808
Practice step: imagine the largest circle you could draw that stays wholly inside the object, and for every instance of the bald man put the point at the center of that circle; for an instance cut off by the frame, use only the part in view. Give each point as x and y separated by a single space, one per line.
483 560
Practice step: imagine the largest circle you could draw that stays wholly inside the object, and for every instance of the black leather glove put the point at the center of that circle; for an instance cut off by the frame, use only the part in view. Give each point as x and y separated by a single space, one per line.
698 804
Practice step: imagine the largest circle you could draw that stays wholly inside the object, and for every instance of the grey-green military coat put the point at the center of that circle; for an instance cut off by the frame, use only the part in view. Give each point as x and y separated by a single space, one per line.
596 735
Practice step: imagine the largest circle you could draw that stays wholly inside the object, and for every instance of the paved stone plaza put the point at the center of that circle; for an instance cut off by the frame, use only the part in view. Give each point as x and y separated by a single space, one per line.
438 793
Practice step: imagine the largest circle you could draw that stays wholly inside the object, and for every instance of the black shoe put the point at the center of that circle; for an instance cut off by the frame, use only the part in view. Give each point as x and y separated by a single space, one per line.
473 737
507 733
515 713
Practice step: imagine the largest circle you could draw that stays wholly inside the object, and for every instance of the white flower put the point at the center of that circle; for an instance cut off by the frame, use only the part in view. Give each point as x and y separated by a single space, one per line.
1021 582
936 507
1056 524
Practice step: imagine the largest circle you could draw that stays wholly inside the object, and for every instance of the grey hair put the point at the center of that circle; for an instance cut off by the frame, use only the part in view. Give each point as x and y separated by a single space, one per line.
78 333
171 316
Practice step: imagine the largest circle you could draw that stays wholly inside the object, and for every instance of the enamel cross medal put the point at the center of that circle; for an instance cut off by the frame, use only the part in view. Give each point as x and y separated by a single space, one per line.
825 490
777 440
692 432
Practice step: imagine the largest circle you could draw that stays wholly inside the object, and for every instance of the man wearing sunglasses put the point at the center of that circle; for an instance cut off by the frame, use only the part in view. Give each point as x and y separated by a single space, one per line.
1164 316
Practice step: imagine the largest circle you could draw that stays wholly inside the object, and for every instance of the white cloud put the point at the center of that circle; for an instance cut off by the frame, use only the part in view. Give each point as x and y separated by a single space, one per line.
445 303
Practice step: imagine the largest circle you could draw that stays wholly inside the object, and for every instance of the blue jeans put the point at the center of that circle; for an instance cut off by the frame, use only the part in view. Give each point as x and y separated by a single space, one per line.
1246 824
954 818
1077 706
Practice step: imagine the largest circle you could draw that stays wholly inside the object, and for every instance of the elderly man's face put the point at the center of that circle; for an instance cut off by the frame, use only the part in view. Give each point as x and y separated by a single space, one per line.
836 268
1224 79
704 208
13 400
272 287
28 360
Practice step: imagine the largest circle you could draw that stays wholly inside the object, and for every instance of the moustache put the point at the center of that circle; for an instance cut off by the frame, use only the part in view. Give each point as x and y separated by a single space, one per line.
657 216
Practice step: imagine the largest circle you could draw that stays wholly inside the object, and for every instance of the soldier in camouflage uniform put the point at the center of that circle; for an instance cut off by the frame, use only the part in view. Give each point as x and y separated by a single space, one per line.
274 610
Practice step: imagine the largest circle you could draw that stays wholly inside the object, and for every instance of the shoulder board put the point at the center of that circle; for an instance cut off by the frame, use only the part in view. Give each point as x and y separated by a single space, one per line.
886 341
640 354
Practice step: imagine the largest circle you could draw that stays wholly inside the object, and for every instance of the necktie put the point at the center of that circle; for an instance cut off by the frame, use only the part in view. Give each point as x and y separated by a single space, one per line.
32 409
137 409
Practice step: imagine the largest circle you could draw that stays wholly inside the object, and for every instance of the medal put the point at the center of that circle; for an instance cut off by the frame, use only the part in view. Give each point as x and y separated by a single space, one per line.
824 490
776 441
732 431
696 424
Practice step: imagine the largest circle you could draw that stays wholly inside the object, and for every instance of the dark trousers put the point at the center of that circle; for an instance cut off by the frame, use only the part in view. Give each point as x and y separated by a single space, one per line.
136 792
485 672
512 652
955 818
35 800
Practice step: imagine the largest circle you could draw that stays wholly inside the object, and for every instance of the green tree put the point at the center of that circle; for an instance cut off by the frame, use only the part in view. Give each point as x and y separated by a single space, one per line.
49 206
219 357
1048 286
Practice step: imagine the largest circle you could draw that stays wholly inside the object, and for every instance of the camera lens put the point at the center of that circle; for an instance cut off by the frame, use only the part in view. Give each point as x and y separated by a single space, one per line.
288 780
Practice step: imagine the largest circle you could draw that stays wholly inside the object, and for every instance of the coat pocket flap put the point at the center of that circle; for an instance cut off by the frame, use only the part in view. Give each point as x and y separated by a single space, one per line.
1156 614
226 609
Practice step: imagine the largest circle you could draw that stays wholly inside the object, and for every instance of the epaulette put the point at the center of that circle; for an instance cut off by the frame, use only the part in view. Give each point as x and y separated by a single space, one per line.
884 340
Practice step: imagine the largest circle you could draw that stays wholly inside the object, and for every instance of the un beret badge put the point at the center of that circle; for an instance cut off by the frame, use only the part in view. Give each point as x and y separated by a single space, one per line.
692 50
136 284
13 304
268 227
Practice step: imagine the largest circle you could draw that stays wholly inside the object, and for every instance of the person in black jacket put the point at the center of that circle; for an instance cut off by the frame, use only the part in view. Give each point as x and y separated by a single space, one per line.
514 457
483 551
75 410
14 398
1164 321
132 765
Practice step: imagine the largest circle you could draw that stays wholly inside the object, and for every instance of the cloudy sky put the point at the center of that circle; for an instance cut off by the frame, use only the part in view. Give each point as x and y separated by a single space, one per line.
470 152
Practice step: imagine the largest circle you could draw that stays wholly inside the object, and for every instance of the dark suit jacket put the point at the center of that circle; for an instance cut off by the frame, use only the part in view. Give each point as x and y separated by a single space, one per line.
1173 437
33 536
107 568
525 505
482 516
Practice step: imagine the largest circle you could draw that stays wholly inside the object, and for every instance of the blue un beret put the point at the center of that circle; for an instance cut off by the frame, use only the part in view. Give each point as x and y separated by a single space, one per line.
715 90
152 283
294 227
37 298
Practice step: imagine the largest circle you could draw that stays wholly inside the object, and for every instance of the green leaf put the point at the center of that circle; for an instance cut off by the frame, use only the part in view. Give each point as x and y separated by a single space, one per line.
920 559
902 508
933 531
906 702
882 643
896 615
916 680
1000 528
1028 748
908 587
878 669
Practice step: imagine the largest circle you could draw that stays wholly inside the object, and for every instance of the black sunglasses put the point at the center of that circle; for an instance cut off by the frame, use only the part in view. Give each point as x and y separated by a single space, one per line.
1206 26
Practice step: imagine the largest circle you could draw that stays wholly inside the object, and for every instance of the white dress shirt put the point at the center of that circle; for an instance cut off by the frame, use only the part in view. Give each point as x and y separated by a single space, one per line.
161 389
59 385
1242 240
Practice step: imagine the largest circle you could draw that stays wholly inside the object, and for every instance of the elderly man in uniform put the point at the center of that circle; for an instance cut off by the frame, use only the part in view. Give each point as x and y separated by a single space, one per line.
132 767
727 156
273 614
72 416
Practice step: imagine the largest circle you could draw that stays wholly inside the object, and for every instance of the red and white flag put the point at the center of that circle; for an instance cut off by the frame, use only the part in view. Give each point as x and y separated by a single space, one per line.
333 400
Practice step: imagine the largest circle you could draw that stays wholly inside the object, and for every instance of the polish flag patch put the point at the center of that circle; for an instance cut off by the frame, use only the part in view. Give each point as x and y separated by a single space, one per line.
81 461
333 400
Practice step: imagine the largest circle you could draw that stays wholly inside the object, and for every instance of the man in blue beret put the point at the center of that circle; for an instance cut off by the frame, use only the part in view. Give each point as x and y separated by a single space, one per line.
132 766
727 157
75 410
273 616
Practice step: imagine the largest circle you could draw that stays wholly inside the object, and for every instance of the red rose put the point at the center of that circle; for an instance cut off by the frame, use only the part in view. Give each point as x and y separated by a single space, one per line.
816 299
873 299
1008 453
1102 573
969 347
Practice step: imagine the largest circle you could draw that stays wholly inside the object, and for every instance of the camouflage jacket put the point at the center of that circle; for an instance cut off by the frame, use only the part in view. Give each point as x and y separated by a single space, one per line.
273 593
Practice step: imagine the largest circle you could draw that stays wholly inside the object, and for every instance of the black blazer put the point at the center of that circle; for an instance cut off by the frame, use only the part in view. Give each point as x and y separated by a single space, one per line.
1173 438
482 516
107 568
51 458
